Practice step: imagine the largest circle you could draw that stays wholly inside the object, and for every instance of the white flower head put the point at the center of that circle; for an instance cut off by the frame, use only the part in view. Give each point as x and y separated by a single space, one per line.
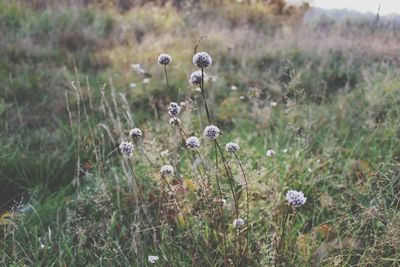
232 147
295 198
164 59
202 60
135 132
126 149
196 77
146 81
193 142
174 121
238 223
211 132
270 153
167 170
152 258
174 109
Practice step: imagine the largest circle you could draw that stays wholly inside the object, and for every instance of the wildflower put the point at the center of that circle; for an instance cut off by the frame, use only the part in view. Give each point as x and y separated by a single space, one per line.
146 81
211 131
135 132
295 198
174 121
164 153
152 259
164 59
196 77
174 109
232 147
193 142
132 85
167 170
270 153
126 149
273 104
202 60
234 87
238 223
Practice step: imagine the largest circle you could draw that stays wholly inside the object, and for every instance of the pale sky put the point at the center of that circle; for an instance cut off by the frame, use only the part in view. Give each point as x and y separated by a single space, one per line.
387 6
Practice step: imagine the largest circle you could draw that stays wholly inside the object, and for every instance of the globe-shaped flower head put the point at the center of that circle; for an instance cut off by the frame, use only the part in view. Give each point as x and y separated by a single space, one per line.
202 60
195 77
295 198
174 109
193 142
232 147
126 149
167 170
164 59
211 132
238 223
135 133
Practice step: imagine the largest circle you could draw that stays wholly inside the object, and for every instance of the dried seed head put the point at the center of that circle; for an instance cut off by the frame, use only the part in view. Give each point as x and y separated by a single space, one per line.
167 170
202 60
135 133
295 198
164 59
211 132
126 149
232 147
193 142
195 77
174 109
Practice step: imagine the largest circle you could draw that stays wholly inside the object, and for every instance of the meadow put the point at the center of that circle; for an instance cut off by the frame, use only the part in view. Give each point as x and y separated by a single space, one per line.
306 106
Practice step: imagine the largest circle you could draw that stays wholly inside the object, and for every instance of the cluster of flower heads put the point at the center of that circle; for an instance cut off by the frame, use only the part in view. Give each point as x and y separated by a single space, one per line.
238 223
232 147
152 259
211 132
202 60
126 149
295 198
197 77
193 142
164 59
135 133
174 109
167 170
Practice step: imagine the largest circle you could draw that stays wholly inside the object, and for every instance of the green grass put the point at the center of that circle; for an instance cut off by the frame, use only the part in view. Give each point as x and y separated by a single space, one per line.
335 130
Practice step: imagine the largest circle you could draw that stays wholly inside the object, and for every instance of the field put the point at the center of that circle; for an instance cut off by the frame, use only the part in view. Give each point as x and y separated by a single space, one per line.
314 107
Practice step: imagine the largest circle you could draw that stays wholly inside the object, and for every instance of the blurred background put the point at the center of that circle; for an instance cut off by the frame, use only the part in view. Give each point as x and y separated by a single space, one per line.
257 46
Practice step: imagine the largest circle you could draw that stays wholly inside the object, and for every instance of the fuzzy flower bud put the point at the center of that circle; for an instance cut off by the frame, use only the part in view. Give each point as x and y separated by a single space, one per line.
193 142
195 77
167 170
174 109
295 198
126 149
232 147
211 132
238 223
135 132
164 59
202 60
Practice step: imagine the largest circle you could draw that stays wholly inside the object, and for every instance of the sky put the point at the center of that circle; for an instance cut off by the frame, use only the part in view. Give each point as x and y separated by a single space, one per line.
387 6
